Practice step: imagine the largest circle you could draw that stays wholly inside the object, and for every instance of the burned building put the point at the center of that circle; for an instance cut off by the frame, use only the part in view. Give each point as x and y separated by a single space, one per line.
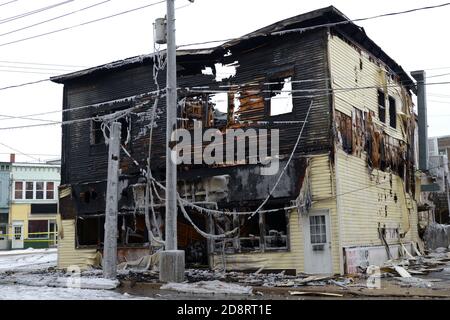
345 192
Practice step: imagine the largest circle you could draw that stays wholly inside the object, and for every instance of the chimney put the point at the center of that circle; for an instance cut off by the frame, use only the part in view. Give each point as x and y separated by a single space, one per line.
420 77
12 158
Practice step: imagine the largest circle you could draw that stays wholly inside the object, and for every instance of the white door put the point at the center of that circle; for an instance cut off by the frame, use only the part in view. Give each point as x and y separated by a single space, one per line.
17 236
316 227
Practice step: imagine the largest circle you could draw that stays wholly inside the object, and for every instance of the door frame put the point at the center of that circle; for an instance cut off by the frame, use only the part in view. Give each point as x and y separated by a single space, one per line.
20 224
307 239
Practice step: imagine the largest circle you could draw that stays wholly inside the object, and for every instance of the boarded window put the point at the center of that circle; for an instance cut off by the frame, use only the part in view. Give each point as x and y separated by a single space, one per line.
18 190
392 112
281 97
381 106
38 229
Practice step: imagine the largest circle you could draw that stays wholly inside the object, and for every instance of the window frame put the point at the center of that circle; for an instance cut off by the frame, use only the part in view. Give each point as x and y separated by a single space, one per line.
392 112
22 197
381 107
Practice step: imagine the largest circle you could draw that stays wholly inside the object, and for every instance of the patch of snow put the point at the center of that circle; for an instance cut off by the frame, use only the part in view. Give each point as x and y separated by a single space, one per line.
208 287
28 259
21 292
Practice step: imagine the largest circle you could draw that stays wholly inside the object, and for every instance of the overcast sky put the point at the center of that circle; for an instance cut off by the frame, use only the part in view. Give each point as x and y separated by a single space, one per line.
416 41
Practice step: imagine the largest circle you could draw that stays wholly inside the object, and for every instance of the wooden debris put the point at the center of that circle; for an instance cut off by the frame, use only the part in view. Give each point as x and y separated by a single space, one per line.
402 272
324 294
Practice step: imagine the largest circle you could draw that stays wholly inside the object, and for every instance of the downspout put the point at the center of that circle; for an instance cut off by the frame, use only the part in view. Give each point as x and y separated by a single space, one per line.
420 77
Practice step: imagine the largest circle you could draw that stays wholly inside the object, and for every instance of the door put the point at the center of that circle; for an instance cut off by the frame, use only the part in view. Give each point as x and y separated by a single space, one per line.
316 227
17 236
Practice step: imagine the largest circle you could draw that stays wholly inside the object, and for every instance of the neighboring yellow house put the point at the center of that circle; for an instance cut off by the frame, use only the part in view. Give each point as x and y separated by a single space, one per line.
34 205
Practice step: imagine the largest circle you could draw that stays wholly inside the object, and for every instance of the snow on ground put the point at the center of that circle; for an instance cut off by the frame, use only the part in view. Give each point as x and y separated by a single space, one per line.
28 260
24 275
209 287
20 292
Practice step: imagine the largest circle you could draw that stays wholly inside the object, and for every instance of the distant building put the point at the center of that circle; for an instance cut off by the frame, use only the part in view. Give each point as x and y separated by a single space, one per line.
438 190
34 205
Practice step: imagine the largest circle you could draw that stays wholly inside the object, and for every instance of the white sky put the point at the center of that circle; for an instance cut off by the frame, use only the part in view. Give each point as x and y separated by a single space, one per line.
416 41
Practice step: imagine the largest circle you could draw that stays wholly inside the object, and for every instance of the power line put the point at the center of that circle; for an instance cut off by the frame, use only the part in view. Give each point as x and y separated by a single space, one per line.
35 68
31 72
24 84
82 24
29 13
9 2
304 29
43 64
53 19
27 155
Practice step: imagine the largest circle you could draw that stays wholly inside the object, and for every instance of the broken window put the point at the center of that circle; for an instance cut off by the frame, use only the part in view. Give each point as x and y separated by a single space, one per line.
197 109
98 137
275 225
281 101
263 232
381 106
344 131
392 112
90 231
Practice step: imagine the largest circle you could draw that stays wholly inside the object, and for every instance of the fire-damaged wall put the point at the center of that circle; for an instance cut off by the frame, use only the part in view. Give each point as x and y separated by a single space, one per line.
350 183
238 186
375 164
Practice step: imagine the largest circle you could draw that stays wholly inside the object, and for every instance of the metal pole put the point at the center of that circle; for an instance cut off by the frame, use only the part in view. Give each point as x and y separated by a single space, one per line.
110 242
171 260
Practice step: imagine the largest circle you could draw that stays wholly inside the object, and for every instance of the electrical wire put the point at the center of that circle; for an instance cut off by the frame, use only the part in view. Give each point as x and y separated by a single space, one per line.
82 24
301 30
29 13
22 153
42 64
53 19
6 3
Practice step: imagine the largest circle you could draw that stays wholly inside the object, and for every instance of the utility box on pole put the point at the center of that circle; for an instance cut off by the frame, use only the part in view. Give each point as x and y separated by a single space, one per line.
111 211
160 31
172 260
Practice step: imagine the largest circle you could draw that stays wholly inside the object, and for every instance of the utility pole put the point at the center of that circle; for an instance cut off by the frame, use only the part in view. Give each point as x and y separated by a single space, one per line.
171 268
112 193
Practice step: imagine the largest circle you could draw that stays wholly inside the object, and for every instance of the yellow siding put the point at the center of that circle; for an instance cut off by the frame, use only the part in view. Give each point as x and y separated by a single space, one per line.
322 192
346 73
67 254
367 200
21 212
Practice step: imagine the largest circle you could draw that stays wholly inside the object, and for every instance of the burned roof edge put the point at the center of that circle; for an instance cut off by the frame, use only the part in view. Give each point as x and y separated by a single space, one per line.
124 63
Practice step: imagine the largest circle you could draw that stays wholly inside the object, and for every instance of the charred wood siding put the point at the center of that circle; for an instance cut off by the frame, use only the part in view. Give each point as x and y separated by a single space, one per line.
305 55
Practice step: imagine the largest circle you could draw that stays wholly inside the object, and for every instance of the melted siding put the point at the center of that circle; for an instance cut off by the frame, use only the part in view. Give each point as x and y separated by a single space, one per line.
345 68
67 254
368 199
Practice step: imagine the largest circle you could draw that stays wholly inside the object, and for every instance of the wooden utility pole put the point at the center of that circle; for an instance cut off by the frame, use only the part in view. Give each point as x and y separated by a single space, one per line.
171 259
112 194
